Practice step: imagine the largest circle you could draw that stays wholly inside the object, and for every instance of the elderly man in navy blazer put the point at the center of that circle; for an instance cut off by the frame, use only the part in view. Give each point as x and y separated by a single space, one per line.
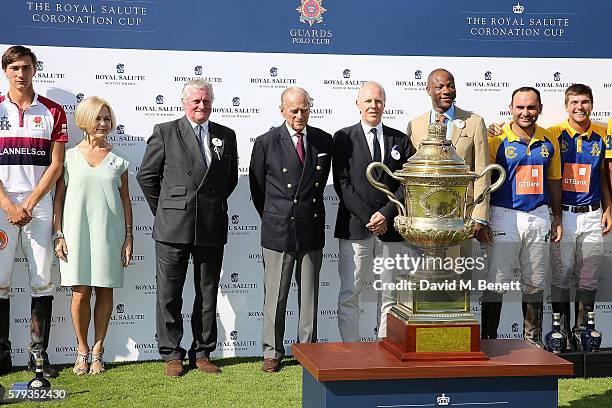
364 226
288 173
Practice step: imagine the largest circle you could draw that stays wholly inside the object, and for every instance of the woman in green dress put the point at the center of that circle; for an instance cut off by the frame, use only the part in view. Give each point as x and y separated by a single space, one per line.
93 229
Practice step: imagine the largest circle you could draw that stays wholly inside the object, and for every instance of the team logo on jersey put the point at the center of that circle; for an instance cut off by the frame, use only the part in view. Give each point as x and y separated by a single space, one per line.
544 151
3 240
4 123
510 152
595 150
37 122
564 146
311 11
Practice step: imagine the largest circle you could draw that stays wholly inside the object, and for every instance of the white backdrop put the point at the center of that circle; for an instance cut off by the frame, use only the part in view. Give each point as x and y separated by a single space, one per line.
144 88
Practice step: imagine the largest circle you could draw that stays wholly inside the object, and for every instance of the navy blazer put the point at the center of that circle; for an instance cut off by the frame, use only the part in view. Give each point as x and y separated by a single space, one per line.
288 195
358 198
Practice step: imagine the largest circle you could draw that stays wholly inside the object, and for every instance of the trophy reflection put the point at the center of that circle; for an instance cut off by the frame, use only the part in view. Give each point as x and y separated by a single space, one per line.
433 321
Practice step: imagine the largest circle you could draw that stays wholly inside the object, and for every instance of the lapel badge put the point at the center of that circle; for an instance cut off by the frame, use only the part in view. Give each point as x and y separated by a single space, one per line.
217 142
285 170
459 123
395 153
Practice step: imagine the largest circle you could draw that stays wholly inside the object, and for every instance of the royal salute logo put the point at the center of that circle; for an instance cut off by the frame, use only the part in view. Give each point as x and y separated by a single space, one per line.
196 73
79 97
346 73
274 81
145 288
234 285
318 112
121 318
344 82
120 77
4 123
235 343
146 348
238 228
557 85
518 9
255 256
43 77
311 13
487 85
391 113
443 400
235 219
237 110
416 84
515 327
123 139
159 109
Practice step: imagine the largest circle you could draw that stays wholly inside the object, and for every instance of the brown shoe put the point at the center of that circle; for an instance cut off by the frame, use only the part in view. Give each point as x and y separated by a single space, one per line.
270 365
174 368
206 366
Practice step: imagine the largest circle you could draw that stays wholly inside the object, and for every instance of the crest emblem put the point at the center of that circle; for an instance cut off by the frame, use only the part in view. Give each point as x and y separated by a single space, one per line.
557 76
234 335
418 74
197 70
236 101
3 240
544 151
518 8
346 73
159 99
488 75
595 150
40 65
235 219
120 129
515 327
273 71
120 308
564 146
80 97
234 277
4 123
120 68
443 400
37 122
311 11
510 152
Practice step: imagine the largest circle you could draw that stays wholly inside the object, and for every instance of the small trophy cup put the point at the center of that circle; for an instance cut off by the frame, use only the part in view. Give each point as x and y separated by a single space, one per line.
436 215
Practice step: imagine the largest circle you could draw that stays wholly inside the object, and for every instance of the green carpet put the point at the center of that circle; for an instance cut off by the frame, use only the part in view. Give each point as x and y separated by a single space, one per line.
242 384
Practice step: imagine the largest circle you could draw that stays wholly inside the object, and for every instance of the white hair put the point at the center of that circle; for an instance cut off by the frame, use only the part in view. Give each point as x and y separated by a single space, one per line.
197 84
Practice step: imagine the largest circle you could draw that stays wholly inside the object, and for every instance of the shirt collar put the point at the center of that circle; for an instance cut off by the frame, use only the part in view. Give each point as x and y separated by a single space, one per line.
34 100
573 132
193 125
450 114
367 128
292 131
513 137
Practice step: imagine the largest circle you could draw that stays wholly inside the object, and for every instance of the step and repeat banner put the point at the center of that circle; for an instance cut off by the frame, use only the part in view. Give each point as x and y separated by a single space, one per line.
138 54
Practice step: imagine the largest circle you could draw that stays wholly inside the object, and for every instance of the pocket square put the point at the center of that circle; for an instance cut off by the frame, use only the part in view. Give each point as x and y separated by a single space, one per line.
321 154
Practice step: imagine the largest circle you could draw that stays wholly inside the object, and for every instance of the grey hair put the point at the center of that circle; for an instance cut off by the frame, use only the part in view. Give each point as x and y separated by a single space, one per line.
197 84
295 89
367 83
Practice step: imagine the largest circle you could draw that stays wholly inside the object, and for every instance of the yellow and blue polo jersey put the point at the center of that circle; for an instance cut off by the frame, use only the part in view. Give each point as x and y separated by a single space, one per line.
528 167
582 158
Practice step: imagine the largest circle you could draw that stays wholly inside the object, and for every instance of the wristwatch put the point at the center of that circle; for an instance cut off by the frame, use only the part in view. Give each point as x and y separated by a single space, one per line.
56 235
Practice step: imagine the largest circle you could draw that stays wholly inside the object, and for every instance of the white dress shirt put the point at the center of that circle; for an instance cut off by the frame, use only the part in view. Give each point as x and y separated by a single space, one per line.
367 129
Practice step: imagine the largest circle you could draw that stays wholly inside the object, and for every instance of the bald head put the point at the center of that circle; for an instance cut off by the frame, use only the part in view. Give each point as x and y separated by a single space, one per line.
295 107
371 102
441 89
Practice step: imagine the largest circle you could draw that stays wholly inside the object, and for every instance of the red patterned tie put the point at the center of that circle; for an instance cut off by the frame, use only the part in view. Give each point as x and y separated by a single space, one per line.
300 147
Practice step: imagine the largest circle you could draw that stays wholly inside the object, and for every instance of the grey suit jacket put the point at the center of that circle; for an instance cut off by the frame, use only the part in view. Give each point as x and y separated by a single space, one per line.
189 201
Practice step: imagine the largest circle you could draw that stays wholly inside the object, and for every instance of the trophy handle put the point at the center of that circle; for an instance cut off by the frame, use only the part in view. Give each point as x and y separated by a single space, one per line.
383 187
489 189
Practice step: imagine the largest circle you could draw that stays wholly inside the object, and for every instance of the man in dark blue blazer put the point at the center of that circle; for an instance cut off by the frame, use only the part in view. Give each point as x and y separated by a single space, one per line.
364 226
289 169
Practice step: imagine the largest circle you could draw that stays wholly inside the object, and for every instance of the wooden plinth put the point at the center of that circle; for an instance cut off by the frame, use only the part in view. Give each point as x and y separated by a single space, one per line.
406 341
371 361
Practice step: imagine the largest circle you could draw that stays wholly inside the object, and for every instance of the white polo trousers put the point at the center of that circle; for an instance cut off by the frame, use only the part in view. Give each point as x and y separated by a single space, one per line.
521 244
355 265
36 245
578 257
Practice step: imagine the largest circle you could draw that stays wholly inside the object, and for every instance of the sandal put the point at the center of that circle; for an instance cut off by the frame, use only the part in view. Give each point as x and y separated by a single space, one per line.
81 366
97 365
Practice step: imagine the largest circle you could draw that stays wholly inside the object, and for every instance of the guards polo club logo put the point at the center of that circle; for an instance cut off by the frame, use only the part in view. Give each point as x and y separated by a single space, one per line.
488 75
120 68
418 74
4 123
159 99
40 65
273 71
197 70
311 11
3 240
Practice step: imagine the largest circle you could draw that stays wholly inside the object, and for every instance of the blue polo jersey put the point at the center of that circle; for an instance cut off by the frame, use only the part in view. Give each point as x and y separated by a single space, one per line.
528 167
582 162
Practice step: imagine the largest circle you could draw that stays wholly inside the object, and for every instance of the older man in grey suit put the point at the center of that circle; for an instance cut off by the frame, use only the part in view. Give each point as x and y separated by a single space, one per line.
188 171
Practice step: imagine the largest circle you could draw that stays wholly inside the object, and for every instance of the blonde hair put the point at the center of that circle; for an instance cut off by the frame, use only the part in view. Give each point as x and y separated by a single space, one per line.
87 111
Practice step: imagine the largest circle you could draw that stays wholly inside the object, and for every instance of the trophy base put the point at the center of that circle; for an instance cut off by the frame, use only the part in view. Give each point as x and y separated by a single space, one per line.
420 339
